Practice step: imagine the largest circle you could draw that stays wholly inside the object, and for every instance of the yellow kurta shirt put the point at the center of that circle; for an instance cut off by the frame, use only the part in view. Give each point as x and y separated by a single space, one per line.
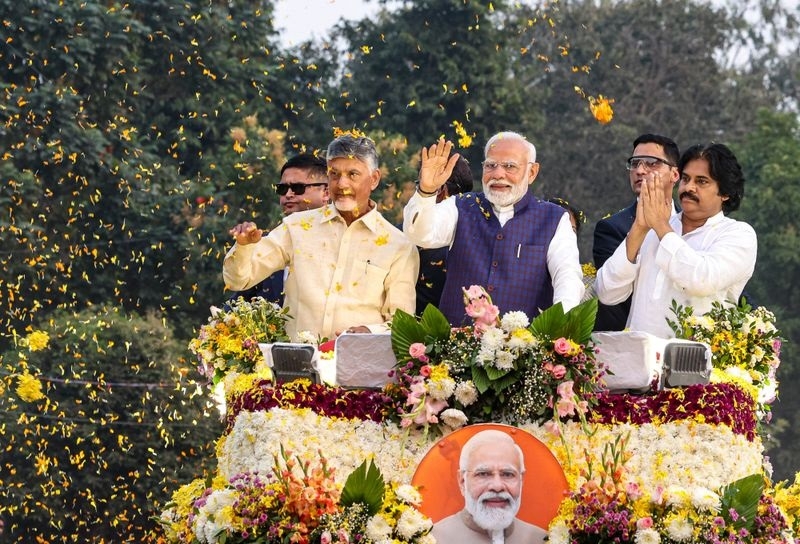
339 276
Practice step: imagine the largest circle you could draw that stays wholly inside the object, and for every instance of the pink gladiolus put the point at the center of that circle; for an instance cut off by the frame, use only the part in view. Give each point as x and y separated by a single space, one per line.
430 410
565 407
634 492
474 292
417 351
552 427
564 390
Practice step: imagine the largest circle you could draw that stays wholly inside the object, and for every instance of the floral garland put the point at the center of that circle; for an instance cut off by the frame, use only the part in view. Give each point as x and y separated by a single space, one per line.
263 394
229 341
296 501
718 404
611 506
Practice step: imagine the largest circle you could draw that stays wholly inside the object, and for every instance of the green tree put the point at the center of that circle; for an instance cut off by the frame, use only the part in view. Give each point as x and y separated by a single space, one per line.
770 156
117 429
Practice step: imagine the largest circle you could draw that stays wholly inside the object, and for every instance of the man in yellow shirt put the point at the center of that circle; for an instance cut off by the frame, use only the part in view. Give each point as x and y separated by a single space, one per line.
348 267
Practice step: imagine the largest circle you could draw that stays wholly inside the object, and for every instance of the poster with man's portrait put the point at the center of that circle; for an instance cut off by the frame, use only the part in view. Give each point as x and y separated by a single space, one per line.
490 482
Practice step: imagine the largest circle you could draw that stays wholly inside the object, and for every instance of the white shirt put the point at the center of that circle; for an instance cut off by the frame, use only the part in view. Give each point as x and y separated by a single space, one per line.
429 225
711 263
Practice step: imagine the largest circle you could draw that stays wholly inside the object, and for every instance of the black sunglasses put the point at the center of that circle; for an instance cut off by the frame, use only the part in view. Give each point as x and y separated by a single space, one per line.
297 188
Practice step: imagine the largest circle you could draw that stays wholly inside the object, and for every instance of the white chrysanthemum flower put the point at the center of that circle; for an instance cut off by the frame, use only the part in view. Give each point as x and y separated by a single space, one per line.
504 360
412 522
378 528
514 320
466 393
493 339
426 539
738 372
455 419
441 389
705 500
306 337
647 536
559 534
679 529
409 494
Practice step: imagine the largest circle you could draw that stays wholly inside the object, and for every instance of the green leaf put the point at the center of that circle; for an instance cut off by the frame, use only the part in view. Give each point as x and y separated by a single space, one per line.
365 485
576 324
742 496
435 323
405 331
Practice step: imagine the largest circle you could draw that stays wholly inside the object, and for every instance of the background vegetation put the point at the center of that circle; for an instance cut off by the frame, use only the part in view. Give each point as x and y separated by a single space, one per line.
133 135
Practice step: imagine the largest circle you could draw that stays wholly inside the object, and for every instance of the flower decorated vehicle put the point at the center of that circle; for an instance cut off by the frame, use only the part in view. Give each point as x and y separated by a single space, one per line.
229 341
678 465
503 368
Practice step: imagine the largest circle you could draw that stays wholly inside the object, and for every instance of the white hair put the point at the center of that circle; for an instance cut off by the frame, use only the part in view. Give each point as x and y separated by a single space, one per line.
489 436
508 135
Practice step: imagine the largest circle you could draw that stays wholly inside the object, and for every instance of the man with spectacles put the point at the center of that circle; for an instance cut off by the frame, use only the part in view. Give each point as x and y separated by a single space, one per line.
522 250
490 476
696 257
348 267
653 154
303 186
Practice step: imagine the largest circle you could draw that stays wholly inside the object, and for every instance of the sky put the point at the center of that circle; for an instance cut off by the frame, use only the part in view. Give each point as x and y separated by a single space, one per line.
299 20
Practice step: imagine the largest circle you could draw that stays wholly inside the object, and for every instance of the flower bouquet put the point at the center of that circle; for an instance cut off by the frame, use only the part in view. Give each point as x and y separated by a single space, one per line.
229 341
610 506
299 503
745 344
500 369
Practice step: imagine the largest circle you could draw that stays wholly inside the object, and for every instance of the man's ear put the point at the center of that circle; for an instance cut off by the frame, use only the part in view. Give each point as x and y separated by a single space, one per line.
462 483
375 178
533 171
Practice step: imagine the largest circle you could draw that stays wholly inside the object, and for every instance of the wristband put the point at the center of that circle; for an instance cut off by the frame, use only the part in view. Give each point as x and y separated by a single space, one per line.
426 193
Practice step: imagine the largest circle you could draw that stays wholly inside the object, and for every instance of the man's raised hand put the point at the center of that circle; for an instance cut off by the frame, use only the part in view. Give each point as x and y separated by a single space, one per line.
246 233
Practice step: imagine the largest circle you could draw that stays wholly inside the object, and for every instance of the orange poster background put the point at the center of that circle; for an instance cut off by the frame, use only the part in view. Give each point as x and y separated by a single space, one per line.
545 484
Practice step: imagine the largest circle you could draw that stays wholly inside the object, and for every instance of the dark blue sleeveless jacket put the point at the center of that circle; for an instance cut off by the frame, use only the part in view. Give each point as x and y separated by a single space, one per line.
510 262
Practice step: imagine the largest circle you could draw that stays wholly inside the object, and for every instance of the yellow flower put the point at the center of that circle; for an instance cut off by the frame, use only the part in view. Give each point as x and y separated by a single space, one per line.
464 139
601 109
382 240
37 340
354 132
589 270
29 388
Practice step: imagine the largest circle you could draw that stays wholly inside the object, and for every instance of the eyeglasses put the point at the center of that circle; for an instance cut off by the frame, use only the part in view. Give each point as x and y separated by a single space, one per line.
645 161
485 475
297 188
510 167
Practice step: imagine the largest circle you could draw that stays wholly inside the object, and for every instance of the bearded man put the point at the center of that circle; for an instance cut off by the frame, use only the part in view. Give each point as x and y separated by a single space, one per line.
522 250
490 476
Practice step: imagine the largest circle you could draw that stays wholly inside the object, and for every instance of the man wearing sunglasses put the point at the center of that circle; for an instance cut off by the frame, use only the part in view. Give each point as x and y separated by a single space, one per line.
303 186
349 269
522 250
653 154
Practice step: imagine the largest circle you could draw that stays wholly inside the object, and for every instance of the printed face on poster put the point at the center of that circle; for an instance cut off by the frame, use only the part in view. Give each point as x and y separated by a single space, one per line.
543 484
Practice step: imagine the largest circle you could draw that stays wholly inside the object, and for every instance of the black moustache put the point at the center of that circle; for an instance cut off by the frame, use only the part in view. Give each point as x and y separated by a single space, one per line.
690 196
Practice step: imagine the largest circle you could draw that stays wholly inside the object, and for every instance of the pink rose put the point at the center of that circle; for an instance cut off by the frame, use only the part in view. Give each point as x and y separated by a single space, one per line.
644 523
417 351
558 371
425 371
562 346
